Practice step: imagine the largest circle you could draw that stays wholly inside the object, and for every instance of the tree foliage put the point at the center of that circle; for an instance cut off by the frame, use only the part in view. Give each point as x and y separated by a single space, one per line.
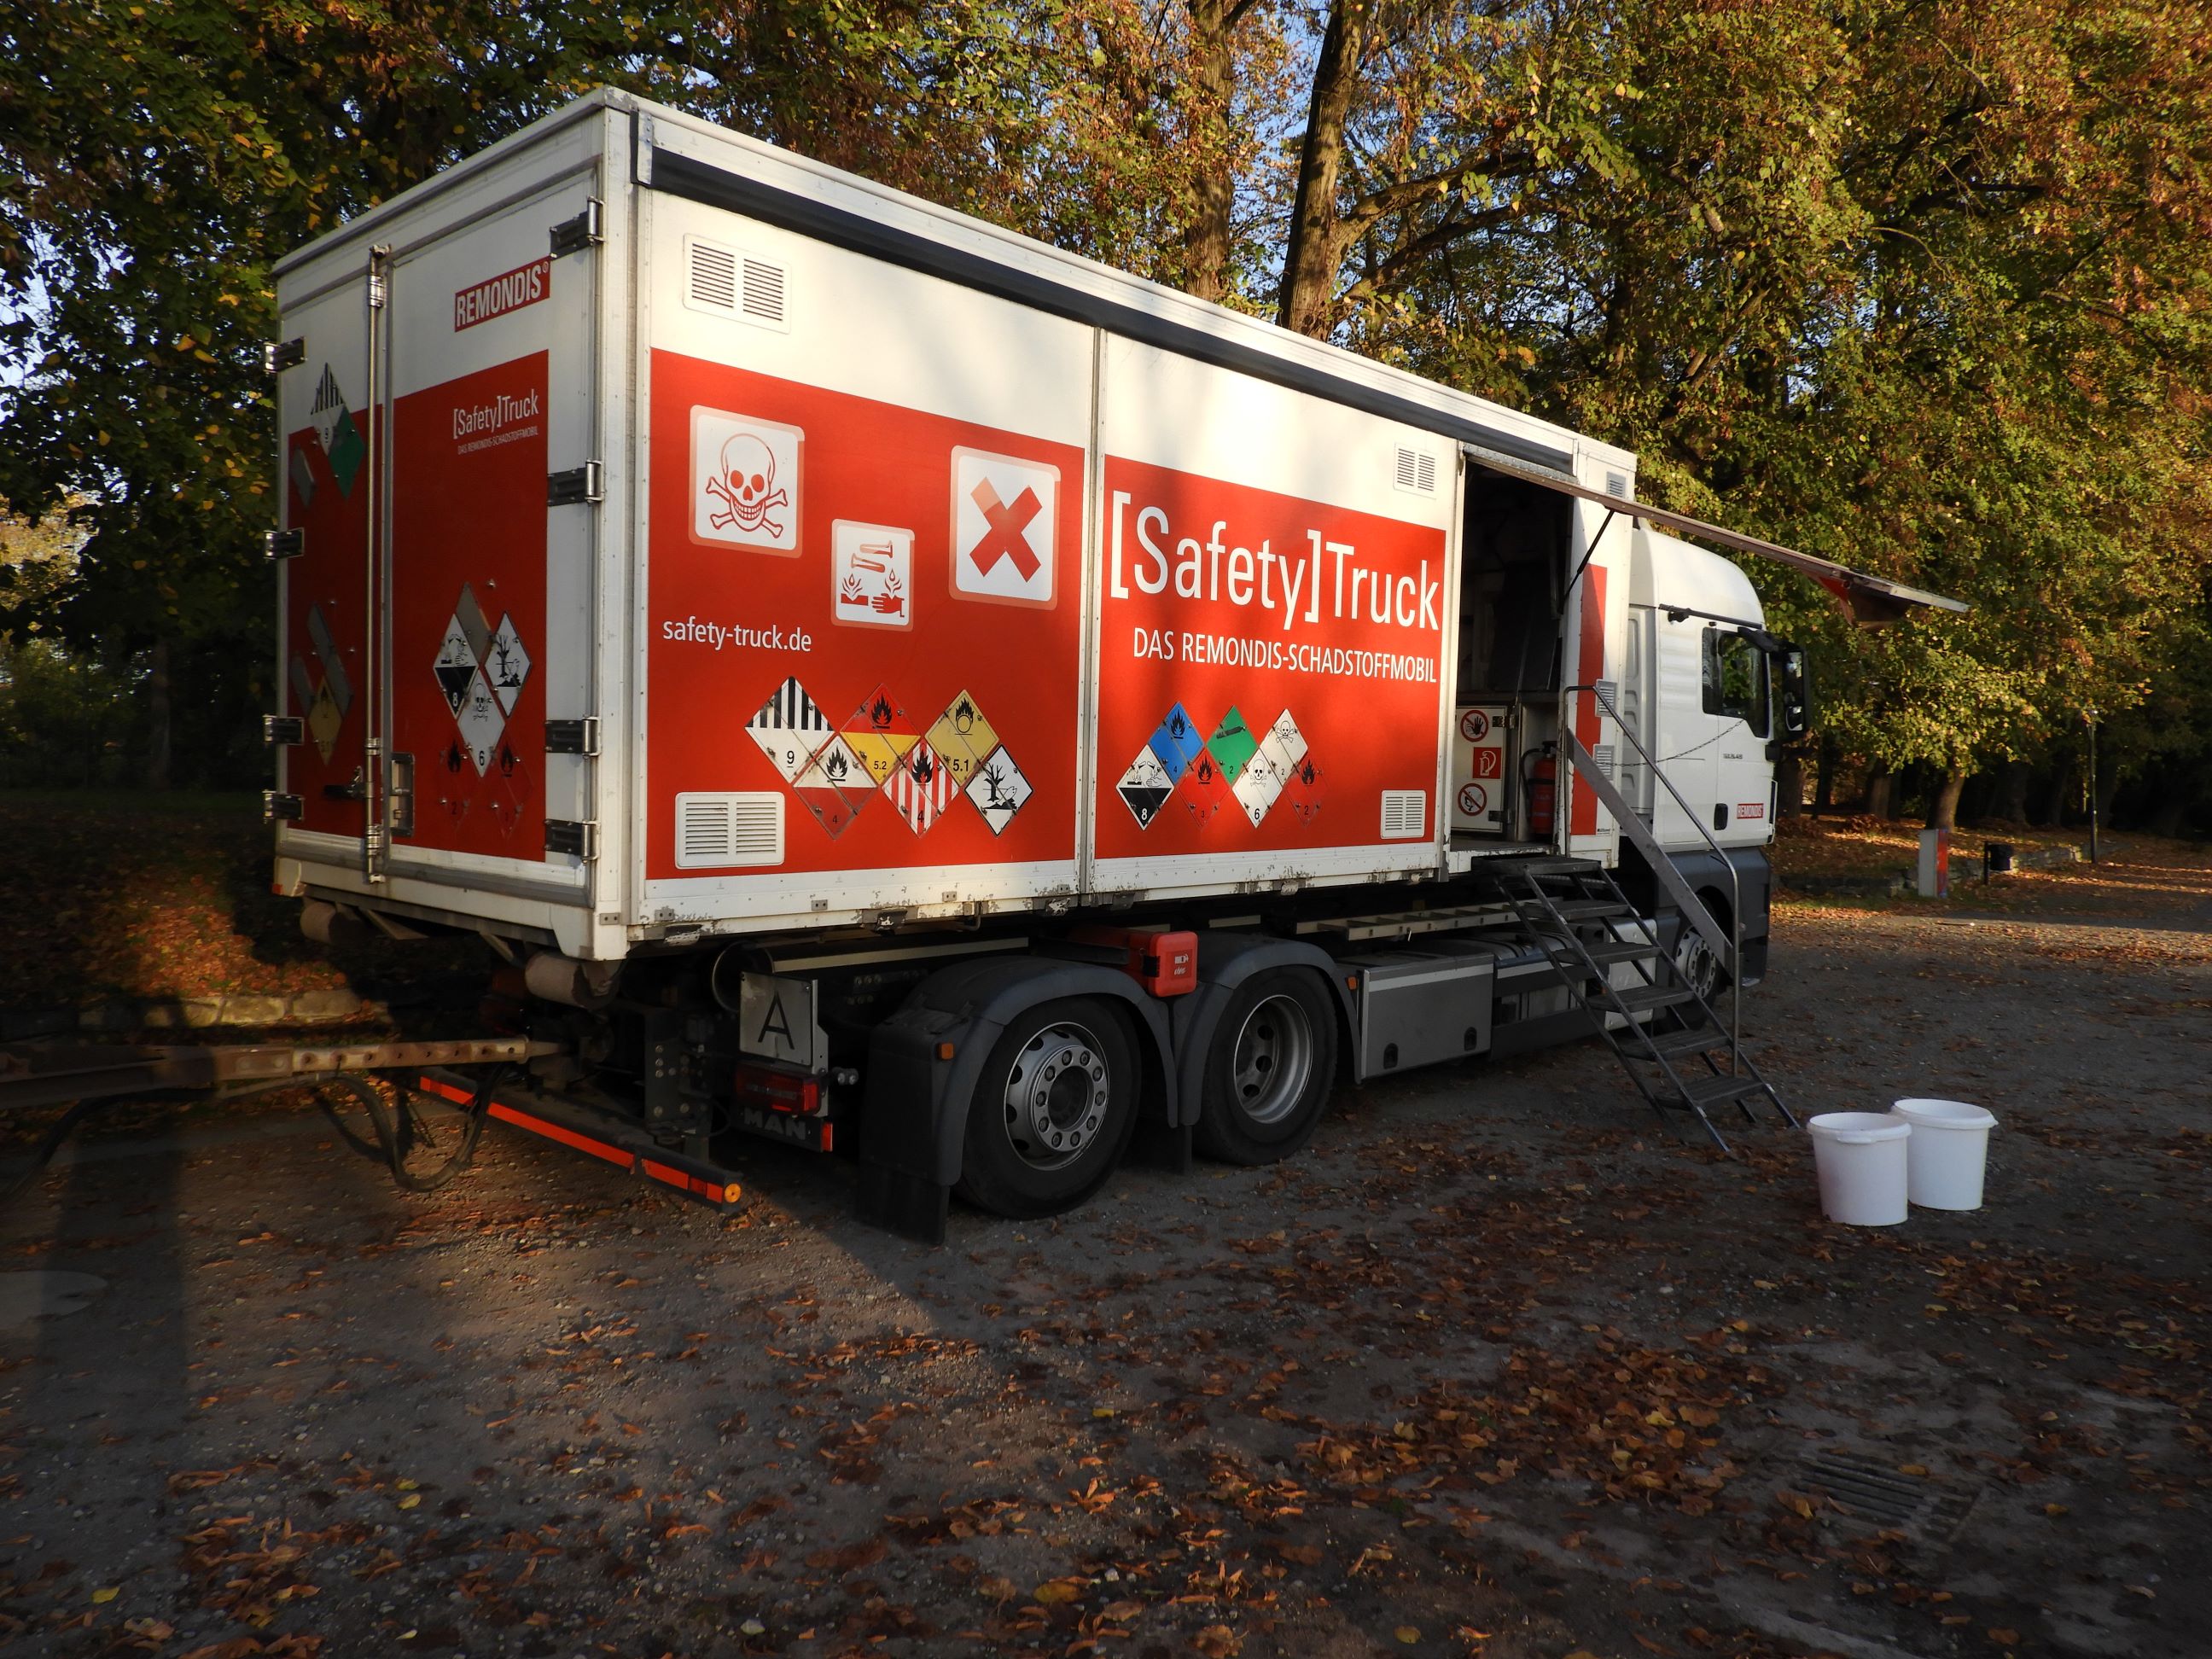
1919 284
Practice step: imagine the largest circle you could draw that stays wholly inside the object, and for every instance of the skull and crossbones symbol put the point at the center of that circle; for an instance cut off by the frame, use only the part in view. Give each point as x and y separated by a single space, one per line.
745 485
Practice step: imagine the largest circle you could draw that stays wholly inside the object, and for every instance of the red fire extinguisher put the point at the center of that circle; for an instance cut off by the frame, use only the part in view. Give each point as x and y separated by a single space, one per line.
1540 787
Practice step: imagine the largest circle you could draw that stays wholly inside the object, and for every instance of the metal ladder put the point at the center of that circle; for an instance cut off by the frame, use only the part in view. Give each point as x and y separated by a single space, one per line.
1679 1066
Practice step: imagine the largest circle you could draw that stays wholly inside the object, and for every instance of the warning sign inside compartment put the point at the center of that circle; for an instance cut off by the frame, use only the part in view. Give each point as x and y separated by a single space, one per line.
1269 667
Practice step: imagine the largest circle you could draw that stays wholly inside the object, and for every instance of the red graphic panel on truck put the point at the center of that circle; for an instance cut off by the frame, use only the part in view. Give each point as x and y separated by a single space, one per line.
468 577
327 480
1268 670
867 617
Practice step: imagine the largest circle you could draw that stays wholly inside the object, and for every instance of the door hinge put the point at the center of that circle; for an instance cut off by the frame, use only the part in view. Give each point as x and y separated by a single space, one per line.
279 355
283 543
278 808
572 737
399 795
578 839
577 486
282 731
575 236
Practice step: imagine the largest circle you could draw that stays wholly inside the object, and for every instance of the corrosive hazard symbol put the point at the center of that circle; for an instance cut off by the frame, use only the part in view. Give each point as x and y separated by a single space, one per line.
871 574
1003 511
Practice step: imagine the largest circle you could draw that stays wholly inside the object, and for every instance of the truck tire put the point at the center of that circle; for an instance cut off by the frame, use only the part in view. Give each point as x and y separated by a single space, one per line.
1268 1069
1053 1111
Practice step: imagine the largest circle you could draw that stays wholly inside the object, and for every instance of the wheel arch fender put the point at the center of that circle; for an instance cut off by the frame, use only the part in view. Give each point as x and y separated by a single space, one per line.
1226 961
915 1111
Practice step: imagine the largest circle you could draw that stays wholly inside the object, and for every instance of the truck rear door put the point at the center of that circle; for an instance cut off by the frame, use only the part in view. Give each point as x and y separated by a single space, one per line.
488 553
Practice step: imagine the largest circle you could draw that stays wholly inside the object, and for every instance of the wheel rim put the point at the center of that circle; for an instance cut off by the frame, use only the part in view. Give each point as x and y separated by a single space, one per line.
1273 1061
1056 1096
1700 968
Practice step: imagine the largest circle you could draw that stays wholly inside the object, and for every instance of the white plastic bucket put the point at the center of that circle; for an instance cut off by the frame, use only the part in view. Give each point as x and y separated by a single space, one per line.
1860 1159
1949 1149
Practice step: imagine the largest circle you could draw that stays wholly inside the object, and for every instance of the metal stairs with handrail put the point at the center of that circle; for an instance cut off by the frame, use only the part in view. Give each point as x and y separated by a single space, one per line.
1663 1028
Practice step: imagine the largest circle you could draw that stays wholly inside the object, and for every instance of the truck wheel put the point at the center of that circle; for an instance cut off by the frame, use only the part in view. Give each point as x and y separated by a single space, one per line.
1053 1111
1698 963
1269 1069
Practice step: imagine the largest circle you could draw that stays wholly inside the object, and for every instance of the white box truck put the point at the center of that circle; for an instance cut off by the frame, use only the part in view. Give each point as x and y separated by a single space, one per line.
881 680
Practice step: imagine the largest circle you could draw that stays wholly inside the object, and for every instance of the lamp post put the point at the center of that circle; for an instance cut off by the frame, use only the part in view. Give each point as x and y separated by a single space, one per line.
2089 720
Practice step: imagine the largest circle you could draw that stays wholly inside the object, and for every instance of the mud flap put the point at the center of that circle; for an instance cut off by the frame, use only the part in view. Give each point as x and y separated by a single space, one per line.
925 1060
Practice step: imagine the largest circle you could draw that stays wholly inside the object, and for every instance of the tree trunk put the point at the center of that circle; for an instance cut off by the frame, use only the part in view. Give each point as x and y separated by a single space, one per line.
1213 76
1790 785
1882 784
2063 789
2012 801
1943 814
1317 235
1824 795
157 712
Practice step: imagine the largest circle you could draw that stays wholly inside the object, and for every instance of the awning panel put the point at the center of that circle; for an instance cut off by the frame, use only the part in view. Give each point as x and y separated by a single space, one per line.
1870 601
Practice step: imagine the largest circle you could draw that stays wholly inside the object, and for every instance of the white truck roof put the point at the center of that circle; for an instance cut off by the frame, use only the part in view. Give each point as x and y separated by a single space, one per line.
686 156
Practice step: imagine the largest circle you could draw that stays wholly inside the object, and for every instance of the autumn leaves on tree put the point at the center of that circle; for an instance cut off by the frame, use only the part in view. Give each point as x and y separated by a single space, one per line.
1918 284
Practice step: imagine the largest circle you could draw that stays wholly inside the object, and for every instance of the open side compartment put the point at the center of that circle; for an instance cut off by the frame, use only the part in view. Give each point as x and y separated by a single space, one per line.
1518 539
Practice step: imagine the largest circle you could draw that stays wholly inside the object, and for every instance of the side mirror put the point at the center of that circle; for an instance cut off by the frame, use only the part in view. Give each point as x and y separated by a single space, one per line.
1793 690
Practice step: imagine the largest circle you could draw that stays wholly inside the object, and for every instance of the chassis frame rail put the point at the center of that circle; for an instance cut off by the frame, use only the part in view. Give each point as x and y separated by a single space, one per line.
33 1076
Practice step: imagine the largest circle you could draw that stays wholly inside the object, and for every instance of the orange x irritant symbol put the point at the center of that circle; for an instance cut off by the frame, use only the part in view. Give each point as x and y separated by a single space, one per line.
1004 539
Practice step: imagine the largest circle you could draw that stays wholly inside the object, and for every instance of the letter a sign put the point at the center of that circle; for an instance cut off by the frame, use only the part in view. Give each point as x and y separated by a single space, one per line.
1002 514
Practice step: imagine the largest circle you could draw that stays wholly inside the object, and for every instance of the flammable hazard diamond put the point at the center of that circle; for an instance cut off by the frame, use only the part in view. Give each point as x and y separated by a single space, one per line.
922 787
1201 790
832 785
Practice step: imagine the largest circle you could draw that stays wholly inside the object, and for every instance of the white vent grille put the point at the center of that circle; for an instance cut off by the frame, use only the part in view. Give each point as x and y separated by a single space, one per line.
1603 755
763 291
713 277
1405 814
730 282
1417 473
1616 483
728 831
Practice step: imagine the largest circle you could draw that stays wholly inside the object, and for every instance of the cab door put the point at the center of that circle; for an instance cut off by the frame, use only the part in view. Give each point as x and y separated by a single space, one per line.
1684 737
1733 682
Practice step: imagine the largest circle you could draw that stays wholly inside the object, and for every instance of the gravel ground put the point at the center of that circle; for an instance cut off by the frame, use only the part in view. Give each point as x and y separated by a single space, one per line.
1501 1367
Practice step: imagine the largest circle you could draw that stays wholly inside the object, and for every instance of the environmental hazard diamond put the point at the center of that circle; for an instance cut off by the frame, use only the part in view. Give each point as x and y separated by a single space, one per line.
507 666
998 790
